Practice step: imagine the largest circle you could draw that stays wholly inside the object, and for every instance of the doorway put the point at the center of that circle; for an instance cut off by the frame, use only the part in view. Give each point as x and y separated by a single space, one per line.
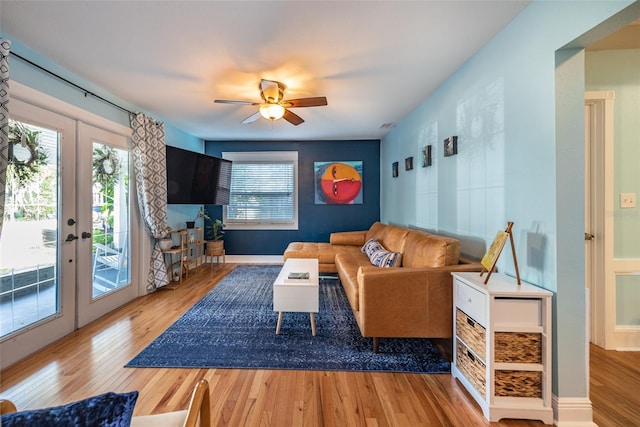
65 248
612 280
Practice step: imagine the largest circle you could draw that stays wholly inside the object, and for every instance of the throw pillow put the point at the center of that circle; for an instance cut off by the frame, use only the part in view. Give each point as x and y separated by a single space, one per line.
379 256
105 410
370 245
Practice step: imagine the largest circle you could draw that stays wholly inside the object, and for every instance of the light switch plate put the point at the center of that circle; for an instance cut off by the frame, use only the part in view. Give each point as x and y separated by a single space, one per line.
627 200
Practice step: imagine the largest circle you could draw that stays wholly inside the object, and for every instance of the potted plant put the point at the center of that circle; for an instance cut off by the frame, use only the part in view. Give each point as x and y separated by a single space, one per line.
216 244
166 242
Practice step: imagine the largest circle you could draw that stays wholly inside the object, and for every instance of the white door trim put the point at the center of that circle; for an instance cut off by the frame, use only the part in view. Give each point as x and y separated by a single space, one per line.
599 205
604 266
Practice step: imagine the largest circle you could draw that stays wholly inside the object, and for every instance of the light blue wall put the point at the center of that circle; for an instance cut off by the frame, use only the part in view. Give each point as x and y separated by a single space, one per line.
511 165
569 304
28 75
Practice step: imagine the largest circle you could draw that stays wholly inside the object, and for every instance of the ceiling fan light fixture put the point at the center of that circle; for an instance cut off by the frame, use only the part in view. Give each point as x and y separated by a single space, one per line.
272 111
274 106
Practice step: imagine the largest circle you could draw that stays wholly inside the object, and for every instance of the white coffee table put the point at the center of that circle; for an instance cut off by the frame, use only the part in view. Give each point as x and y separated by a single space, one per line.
297 295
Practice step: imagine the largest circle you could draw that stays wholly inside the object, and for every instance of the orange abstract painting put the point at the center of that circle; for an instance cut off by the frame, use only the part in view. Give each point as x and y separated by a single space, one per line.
338 182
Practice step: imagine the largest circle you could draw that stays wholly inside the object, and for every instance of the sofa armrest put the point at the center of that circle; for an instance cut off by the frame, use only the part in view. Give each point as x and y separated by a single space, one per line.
408 302
351 238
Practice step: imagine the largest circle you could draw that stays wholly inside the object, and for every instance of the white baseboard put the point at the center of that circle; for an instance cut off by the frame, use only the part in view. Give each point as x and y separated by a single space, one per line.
255 259
572 412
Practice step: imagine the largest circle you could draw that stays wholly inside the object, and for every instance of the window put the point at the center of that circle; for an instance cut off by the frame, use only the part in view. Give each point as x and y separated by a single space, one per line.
263 190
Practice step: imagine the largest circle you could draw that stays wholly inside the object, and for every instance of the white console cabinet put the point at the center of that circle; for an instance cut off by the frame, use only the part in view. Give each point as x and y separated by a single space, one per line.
502 346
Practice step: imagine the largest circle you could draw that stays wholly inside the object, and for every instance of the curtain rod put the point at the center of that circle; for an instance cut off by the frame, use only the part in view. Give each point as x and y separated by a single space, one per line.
70 83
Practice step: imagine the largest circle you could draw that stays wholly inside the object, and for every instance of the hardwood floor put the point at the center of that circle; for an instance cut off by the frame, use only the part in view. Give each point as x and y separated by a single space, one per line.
615 387
90 361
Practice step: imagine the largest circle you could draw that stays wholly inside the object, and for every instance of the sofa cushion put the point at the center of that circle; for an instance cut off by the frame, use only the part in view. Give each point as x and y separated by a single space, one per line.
394 238
105 410
351 238
348 264
375 231
422 249
391 236
379 256
324 252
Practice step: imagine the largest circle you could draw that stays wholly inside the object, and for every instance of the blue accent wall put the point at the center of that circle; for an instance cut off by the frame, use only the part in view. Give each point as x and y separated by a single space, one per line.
315 222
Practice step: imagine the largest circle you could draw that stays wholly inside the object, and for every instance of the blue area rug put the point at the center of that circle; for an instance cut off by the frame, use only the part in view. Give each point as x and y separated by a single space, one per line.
233 326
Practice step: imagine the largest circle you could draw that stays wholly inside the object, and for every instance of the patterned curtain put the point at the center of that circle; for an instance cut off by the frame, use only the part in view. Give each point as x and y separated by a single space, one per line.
150 165
5 46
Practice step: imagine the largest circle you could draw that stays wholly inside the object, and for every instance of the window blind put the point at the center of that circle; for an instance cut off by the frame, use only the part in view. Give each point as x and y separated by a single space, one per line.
262 192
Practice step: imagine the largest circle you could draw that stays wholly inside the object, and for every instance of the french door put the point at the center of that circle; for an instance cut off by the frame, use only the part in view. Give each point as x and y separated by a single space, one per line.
37 265
66 242
104 223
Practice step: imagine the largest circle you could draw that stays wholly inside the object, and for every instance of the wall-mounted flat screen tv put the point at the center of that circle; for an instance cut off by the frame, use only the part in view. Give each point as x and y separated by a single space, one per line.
196 178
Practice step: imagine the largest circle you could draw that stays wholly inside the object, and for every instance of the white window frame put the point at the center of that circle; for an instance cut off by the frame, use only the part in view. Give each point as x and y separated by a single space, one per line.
275 156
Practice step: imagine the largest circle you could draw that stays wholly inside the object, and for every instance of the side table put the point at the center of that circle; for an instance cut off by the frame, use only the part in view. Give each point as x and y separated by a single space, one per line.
502 346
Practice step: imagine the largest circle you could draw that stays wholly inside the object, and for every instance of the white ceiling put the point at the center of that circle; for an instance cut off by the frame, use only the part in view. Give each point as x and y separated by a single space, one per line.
375 61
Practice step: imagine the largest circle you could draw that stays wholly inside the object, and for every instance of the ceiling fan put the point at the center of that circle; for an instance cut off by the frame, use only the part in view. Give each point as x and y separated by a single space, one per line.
274 106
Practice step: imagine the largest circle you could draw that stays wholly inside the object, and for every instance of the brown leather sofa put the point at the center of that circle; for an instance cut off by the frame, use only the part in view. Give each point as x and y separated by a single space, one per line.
411 301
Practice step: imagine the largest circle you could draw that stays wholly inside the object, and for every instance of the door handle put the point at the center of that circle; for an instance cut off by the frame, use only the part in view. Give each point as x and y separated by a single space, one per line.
71 237
86 235
589 236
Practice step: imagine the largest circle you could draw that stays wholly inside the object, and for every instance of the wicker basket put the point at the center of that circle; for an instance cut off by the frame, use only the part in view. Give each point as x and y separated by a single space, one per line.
471 332
518 383
515 347
471 367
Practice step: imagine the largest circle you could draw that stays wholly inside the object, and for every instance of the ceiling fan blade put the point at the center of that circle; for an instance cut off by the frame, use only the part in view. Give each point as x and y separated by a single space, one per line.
317 101
252 118
292 118
227 101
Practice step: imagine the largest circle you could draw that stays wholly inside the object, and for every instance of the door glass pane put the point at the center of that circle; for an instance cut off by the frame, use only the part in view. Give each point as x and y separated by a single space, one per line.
110 219
29 283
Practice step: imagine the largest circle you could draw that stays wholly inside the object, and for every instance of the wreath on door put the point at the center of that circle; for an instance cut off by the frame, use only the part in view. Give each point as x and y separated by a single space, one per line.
26 156
106 165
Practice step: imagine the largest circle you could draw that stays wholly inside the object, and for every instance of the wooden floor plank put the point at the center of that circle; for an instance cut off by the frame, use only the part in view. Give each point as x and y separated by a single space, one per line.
91 361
